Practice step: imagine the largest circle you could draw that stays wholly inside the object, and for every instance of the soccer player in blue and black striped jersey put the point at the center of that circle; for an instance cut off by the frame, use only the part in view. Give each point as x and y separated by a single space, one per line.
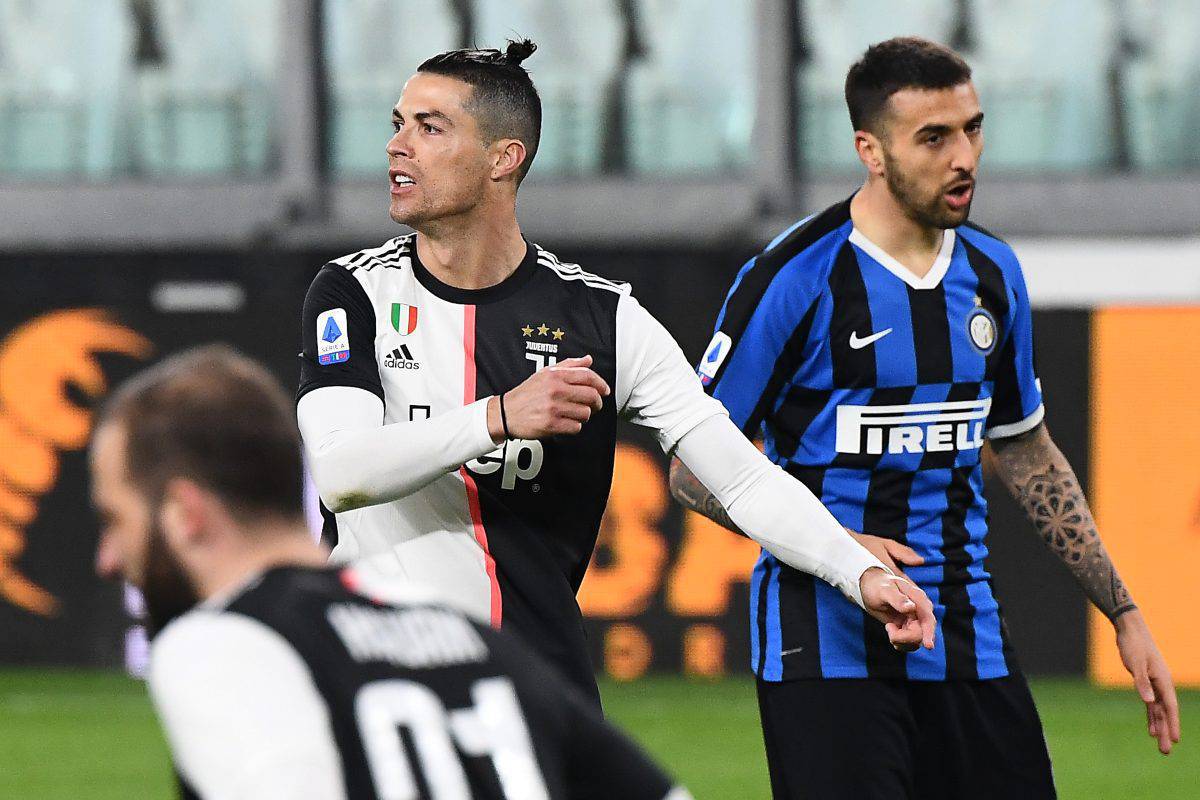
876 346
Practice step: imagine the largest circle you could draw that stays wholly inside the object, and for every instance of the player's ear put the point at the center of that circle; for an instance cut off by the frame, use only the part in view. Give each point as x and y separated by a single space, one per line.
184 512
870 151
508 156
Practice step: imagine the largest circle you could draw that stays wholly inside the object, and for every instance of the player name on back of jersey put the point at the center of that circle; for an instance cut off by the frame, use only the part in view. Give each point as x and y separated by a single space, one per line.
912 428
416 638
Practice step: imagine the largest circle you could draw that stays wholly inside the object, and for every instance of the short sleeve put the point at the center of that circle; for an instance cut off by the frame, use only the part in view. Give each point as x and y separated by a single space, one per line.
338 334
1017 394
241 712
656 386
760 337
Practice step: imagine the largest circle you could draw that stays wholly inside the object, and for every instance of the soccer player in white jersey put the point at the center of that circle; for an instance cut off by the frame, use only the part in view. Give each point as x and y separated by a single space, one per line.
277 677
460 389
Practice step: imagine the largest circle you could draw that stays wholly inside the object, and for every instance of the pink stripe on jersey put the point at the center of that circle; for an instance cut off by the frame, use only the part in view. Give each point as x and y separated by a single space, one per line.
472 489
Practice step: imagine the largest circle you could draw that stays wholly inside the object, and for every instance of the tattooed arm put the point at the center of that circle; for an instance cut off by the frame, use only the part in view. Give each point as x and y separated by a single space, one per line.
1038 475
690 493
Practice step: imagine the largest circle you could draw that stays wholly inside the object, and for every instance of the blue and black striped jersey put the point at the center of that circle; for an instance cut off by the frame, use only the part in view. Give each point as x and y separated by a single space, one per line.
877 389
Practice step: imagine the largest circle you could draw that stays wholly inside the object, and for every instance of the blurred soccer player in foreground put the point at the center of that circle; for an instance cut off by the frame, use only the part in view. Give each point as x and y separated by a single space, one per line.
878 345
460 389
279 678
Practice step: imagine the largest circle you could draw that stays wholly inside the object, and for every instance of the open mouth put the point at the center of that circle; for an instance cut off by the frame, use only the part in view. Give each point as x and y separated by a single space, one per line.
958 196
400 181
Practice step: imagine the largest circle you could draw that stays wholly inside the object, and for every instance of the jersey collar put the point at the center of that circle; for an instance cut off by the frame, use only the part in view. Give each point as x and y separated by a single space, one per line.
488 294
941 264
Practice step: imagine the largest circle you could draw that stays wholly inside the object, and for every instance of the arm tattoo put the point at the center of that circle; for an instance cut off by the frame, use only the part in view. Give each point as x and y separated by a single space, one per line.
687 489
1037 474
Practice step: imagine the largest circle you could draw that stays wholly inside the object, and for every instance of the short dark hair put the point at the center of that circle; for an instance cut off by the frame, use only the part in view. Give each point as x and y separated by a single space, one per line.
215 416
906 62
505 101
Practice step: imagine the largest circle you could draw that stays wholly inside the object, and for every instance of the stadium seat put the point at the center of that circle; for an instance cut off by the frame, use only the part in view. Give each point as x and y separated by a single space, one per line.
372 47
62 86
1162 85
691 98
579 44
208 108
837 32
1041 73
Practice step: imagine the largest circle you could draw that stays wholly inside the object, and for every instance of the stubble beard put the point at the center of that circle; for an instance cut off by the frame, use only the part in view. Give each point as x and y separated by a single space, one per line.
929 213
166 587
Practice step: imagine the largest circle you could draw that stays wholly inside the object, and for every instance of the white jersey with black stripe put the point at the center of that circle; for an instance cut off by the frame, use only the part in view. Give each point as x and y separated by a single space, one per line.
512 528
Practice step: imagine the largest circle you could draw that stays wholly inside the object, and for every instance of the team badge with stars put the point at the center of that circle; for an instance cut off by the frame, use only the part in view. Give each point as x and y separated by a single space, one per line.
981 327
541 342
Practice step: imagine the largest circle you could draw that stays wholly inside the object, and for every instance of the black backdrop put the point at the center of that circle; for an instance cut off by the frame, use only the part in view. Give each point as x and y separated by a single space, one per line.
684 289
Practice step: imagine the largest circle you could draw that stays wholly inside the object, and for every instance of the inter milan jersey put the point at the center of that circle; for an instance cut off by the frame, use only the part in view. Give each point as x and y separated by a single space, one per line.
877 389
510 534
323 691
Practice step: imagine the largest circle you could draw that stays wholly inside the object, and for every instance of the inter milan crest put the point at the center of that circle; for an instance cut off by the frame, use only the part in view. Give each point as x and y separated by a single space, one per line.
404 318
982 329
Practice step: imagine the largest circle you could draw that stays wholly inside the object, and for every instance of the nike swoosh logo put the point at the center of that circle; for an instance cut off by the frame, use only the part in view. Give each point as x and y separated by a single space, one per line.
858 344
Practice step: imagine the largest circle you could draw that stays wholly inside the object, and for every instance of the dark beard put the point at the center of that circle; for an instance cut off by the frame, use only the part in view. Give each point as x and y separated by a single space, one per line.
928 214
167 590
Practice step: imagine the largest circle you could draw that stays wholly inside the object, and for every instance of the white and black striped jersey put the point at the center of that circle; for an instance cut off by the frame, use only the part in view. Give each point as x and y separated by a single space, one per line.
299 687
509 533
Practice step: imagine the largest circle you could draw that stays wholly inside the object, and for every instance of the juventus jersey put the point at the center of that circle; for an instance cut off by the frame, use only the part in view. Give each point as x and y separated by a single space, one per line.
877 390
299 686
510 534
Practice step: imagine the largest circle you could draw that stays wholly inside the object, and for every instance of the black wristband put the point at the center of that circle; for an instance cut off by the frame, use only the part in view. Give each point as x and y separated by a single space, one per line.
1122 610
504 419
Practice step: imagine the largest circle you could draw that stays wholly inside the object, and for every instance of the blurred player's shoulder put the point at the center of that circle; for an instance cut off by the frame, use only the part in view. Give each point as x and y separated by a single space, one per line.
392 254
574 273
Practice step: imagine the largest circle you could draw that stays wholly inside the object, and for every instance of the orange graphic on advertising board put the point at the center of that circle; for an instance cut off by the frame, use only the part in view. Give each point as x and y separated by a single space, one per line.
1146 488
630 537
39 362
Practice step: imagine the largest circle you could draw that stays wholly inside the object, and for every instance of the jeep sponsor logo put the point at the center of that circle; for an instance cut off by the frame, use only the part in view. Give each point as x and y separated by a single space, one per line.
520 460
912 428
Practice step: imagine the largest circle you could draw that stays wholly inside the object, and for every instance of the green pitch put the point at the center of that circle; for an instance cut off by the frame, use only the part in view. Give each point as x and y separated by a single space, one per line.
86 734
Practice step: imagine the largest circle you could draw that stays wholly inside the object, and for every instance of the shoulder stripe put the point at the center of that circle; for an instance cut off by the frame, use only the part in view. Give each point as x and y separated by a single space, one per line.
573 272
748 292
389 255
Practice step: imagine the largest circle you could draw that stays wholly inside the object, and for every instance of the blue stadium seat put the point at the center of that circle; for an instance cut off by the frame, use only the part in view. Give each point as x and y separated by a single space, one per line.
62 86
579 43
1162 86
691 100
208 109
372 48
837 32
1041 73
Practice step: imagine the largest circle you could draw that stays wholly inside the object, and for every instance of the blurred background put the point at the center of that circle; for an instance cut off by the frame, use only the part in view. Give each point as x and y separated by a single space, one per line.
175 171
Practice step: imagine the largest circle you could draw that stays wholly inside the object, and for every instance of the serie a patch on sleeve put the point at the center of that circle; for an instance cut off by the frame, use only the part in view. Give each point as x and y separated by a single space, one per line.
714 356
333 337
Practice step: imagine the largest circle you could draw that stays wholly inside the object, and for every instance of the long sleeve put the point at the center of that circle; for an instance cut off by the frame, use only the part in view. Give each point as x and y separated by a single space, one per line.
357 461
657 388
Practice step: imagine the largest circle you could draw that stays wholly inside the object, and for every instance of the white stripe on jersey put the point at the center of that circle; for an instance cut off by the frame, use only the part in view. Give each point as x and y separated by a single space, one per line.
388 254
574 272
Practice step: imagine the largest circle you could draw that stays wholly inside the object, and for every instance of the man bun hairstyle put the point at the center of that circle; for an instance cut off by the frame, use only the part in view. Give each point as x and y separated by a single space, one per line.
216 417
906 62
504 100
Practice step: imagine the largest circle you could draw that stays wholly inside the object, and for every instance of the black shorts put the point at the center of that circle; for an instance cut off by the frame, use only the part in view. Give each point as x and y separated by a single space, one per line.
859 739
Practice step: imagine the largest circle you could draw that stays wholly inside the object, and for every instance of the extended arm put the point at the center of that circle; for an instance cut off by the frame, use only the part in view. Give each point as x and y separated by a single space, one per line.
1038 475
